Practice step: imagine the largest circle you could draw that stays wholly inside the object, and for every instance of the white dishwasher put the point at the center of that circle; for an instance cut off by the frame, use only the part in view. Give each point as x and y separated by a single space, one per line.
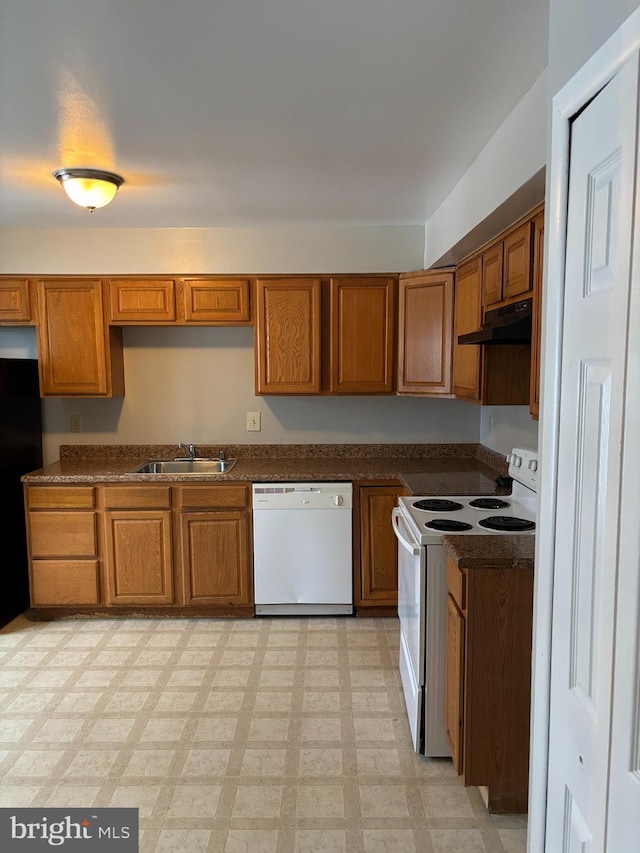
302 548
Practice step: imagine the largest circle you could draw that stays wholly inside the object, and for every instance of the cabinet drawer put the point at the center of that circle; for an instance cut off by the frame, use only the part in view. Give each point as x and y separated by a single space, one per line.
216 300
56 582
456 583
214 497
137 497
61 497
62 534
143 301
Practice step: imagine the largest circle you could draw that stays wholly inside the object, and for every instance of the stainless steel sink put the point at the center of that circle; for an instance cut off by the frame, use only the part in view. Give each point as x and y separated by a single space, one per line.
186 466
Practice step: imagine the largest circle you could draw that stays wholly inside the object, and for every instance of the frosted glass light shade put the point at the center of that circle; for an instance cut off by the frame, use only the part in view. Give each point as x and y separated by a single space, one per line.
90 188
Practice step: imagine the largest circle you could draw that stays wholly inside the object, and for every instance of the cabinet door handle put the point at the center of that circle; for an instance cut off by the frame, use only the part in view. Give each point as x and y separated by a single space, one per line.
411 547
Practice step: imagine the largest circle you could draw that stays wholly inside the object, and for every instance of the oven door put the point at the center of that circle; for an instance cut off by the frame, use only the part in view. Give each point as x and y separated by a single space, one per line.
411 612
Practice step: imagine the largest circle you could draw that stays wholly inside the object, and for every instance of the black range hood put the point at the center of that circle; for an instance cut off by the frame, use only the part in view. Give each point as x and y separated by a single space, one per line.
510 324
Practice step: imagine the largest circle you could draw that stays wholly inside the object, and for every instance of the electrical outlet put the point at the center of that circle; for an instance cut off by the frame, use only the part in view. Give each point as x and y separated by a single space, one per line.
75 424
490 423
253 422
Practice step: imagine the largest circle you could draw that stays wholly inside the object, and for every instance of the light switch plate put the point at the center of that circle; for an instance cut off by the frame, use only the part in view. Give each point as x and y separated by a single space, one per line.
253 422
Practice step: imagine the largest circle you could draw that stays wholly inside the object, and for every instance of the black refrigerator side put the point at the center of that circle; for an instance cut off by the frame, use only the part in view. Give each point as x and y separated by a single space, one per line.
20 453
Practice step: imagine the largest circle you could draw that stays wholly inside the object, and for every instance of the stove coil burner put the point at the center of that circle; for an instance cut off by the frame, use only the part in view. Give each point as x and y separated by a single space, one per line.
489 503
507 523
448 525
438 505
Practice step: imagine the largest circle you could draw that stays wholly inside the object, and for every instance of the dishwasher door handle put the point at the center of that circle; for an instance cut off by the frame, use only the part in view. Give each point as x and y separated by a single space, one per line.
411 547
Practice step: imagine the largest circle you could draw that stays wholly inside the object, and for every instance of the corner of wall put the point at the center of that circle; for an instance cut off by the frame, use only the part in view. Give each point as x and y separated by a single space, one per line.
507 168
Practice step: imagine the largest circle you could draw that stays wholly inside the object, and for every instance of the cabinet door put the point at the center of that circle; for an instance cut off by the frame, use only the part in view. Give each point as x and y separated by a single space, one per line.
215 300
139 561
425 346
216 558
378 547
492 275
14 301
362 338
536 330
467 358
517 262
454 681
287 336
77 356
142 300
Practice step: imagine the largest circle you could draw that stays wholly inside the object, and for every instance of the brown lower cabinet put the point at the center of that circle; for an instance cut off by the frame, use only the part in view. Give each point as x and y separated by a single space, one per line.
63 546
376 550
151 547
215 530
488 680
139 561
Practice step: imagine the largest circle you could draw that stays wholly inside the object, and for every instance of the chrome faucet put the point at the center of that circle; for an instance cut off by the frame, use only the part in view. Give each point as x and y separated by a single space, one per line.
222 455
190 448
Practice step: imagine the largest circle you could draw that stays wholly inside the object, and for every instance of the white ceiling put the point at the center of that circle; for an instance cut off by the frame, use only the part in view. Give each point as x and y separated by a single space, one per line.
256 112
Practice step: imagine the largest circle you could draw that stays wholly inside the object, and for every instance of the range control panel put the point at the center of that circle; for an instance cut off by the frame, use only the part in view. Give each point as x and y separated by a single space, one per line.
523 466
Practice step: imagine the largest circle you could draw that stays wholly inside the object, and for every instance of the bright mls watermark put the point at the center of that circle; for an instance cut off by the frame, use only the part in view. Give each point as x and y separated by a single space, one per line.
35 830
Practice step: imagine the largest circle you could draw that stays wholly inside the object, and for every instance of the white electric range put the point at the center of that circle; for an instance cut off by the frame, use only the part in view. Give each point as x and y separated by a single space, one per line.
419 524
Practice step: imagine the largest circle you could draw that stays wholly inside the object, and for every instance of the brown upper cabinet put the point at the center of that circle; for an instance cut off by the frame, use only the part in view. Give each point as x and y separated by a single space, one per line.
331 336
506 268
288 336
538 263
467 360
150 301
214 300
78 355
492 374
501 273
142 300
492 261
15 303
362 335
425 333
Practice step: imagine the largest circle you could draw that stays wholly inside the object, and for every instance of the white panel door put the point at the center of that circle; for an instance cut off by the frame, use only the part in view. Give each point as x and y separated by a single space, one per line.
590 444
623 830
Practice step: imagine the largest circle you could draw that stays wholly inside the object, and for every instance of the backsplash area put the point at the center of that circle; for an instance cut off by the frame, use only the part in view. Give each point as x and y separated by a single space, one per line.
505 427
197 385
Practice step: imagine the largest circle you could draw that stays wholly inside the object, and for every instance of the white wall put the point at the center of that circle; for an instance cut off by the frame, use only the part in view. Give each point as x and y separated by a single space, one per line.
505 181
507 163
311 249
18 342
505 427
577 28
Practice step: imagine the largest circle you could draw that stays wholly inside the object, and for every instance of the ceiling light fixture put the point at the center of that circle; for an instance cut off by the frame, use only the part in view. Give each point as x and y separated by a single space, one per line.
89 188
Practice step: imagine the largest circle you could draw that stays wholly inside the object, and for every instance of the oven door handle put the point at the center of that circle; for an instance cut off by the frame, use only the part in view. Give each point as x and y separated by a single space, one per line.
411 547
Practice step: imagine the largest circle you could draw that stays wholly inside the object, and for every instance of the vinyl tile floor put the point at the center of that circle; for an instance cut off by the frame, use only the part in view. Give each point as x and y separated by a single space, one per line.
232 736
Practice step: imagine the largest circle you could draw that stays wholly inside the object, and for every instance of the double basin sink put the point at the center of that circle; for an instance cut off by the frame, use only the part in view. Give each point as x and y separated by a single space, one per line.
186 466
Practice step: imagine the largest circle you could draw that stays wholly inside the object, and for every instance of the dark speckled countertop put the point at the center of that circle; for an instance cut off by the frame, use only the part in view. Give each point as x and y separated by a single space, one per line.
422 469
427 469
496 552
